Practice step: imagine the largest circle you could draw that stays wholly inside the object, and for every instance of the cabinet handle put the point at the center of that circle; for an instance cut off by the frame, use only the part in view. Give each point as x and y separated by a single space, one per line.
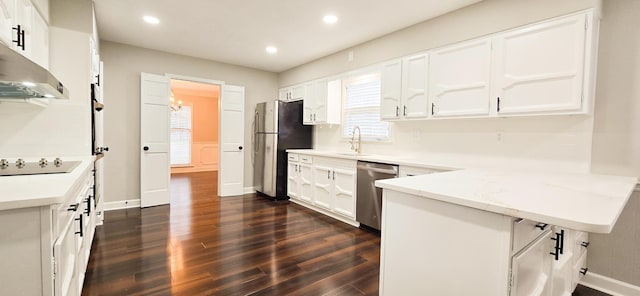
559 247
404 111
19 37
397 111
584 270
73 208
98 80
80 220
314 117
334 175
328 174
433 107
542 226
585 244
498 109
310 117
88 201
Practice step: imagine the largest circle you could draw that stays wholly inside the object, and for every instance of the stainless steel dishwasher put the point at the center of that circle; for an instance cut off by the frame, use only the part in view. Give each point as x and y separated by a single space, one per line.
368 196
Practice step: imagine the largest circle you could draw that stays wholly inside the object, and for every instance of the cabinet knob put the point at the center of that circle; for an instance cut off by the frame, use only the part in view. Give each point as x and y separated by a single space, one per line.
585 244
239 147
145 148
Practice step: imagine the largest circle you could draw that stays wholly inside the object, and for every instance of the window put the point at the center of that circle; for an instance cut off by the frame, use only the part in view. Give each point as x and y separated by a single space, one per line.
362 108
181 136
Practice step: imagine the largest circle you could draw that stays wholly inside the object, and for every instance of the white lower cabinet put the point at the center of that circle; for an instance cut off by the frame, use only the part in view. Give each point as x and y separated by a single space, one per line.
491 254
49 252
324 184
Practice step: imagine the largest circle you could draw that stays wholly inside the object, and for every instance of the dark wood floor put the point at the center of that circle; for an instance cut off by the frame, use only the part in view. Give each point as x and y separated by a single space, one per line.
205 245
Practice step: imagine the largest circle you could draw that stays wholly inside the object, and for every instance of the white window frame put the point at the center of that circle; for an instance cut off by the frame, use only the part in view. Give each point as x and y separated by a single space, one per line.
358 78
190 164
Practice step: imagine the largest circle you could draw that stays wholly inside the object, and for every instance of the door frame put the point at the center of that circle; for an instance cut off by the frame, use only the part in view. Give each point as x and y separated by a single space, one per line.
219 83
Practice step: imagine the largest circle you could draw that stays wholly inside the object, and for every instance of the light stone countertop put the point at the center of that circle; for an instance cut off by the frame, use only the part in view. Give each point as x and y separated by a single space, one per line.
41 190
585 202
399 160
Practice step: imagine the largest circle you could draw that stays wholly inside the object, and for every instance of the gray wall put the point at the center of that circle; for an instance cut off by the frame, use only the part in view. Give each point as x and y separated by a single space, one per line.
616 138
122 67
615 145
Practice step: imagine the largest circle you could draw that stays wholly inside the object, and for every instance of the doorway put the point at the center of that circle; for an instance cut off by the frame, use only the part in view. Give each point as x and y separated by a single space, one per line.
194 134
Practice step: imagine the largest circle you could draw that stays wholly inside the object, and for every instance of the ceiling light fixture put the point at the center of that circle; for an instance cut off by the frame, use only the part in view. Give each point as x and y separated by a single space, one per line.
330 19
151 19
272 49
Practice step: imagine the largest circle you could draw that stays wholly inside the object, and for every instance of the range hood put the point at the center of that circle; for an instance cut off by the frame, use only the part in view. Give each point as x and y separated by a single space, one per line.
21 78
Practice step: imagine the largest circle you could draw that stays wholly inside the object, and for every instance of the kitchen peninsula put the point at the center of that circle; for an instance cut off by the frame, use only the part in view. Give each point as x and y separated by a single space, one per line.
484 232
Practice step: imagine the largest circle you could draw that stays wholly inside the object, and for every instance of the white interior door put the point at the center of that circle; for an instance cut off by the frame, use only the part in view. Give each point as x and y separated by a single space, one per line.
231 179
154 139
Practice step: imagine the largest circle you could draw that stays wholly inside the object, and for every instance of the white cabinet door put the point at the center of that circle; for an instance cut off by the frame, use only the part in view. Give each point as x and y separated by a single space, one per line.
344 185
459 79
283 94
23 17
40 41
305 182
414 90
293 175
531 268
390 89
321 101
539 68
298 92
322 187
7 10
309 103
64 252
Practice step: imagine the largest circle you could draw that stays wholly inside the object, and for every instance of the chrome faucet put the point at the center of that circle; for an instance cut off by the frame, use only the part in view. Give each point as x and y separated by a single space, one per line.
356 146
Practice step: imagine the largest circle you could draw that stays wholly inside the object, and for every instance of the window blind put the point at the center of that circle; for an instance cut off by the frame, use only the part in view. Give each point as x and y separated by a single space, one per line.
181 136
362 108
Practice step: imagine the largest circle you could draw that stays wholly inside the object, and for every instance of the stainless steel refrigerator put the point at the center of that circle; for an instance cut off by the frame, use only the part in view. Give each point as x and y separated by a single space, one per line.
277 126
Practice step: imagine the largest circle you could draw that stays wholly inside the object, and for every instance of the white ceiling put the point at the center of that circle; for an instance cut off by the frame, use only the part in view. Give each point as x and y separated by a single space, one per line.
237 31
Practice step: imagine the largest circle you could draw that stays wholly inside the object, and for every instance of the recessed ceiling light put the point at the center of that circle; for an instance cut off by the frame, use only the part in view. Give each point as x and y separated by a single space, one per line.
330 19
272 49
151 19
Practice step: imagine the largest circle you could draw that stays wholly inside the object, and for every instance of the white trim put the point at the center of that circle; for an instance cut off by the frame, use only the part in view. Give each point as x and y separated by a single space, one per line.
194 79
249 190
609 285
121 204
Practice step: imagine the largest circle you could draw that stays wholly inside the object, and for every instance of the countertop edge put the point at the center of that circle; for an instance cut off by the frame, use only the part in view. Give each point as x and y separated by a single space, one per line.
80 170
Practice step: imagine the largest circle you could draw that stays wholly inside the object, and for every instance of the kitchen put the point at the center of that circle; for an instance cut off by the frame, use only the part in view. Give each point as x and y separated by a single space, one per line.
604 142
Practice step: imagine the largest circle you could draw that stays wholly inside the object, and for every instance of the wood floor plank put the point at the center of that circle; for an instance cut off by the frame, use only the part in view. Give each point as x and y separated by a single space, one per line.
245 245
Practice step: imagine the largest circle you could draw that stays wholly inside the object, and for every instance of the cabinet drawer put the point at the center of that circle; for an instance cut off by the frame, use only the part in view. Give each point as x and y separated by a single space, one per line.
526 231
306 159
292 157
581 245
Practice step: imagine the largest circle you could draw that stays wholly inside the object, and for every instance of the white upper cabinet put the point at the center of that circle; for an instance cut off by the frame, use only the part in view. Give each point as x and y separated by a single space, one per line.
459 79
7 14
414 86
403 88
293 93
39 40
391 89
323 102
23 29
540 68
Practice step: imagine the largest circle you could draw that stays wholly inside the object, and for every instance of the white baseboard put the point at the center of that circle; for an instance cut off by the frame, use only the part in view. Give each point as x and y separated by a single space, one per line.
248 190
121 204
609 285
